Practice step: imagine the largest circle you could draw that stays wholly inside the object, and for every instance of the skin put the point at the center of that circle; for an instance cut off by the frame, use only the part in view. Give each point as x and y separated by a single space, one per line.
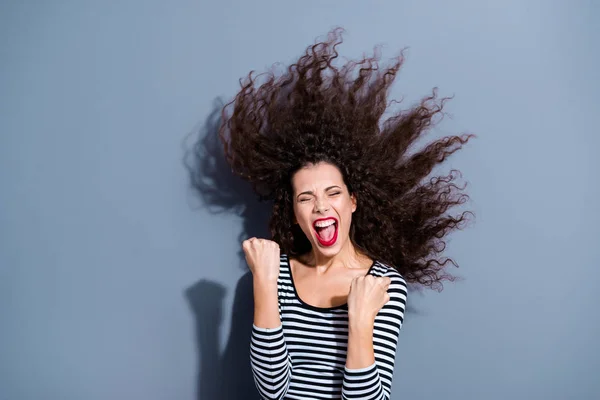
335 271
319 192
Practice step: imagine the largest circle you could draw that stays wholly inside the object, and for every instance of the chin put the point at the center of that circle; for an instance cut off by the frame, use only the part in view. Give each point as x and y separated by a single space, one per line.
329 251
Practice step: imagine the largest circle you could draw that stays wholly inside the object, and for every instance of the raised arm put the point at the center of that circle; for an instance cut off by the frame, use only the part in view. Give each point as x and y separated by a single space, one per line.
372 347
269 358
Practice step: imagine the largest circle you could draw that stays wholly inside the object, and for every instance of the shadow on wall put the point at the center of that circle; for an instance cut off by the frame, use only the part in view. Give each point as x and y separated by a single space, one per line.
227 375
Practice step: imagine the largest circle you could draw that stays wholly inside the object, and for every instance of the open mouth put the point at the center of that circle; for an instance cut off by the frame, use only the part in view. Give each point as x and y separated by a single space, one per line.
326 230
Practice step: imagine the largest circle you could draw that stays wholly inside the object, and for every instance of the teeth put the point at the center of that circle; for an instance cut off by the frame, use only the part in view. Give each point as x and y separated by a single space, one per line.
323 224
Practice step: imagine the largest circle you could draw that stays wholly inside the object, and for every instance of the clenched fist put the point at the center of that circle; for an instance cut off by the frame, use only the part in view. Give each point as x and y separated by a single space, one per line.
262 256
368 294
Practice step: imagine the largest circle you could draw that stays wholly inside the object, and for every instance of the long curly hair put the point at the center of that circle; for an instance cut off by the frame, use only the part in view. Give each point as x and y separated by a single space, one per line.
317 112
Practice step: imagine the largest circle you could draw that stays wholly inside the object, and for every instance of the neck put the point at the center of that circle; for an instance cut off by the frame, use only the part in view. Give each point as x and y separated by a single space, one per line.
348 256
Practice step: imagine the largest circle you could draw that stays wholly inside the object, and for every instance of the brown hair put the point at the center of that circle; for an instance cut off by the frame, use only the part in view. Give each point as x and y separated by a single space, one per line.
314 112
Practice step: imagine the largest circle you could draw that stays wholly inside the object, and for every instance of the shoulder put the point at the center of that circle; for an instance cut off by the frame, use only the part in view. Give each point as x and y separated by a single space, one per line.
393 311
398 289
381 269
283 261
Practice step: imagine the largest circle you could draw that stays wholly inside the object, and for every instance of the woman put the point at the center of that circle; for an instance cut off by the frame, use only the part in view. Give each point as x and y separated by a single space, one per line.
355 220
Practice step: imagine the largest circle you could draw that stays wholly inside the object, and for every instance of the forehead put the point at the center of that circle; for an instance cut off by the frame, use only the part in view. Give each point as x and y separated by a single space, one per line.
317 176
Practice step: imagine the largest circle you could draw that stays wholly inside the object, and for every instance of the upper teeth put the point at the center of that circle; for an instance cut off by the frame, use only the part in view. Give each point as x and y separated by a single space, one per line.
323 224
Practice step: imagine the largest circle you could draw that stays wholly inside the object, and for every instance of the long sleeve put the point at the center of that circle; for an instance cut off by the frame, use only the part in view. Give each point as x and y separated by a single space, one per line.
375 381
270 362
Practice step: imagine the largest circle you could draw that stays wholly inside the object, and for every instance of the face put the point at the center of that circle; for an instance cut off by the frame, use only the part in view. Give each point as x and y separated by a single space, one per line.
323 206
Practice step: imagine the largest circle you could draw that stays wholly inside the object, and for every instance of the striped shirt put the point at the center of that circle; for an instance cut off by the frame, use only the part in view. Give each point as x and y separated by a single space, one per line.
305 356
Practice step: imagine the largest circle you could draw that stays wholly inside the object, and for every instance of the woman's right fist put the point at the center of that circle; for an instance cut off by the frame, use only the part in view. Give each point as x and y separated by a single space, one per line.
262 256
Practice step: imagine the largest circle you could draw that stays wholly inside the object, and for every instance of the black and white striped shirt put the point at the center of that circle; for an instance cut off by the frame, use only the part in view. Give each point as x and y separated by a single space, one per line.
305 357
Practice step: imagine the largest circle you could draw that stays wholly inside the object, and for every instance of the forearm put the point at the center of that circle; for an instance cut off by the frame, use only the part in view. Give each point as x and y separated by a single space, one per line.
360 344
269 358
361 375
266 305
364 378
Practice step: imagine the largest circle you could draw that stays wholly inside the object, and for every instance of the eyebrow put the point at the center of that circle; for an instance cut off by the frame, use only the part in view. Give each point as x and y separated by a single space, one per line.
310 192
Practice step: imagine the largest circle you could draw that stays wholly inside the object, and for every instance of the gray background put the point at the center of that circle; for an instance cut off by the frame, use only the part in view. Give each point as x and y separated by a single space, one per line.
118 281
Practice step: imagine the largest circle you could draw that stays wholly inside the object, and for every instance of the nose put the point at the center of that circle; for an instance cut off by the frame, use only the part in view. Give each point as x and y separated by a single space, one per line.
321 206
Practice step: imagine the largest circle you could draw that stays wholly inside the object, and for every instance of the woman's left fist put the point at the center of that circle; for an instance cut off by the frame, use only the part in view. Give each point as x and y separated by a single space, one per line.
368 294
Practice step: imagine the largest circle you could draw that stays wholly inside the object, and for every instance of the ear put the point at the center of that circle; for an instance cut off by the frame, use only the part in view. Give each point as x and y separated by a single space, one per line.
353 200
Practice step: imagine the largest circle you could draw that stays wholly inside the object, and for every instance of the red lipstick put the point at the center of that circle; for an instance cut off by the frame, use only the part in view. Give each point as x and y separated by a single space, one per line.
333 239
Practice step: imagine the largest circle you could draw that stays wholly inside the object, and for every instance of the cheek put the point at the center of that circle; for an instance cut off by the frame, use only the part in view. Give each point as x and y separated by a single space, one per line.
345 207
302 217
